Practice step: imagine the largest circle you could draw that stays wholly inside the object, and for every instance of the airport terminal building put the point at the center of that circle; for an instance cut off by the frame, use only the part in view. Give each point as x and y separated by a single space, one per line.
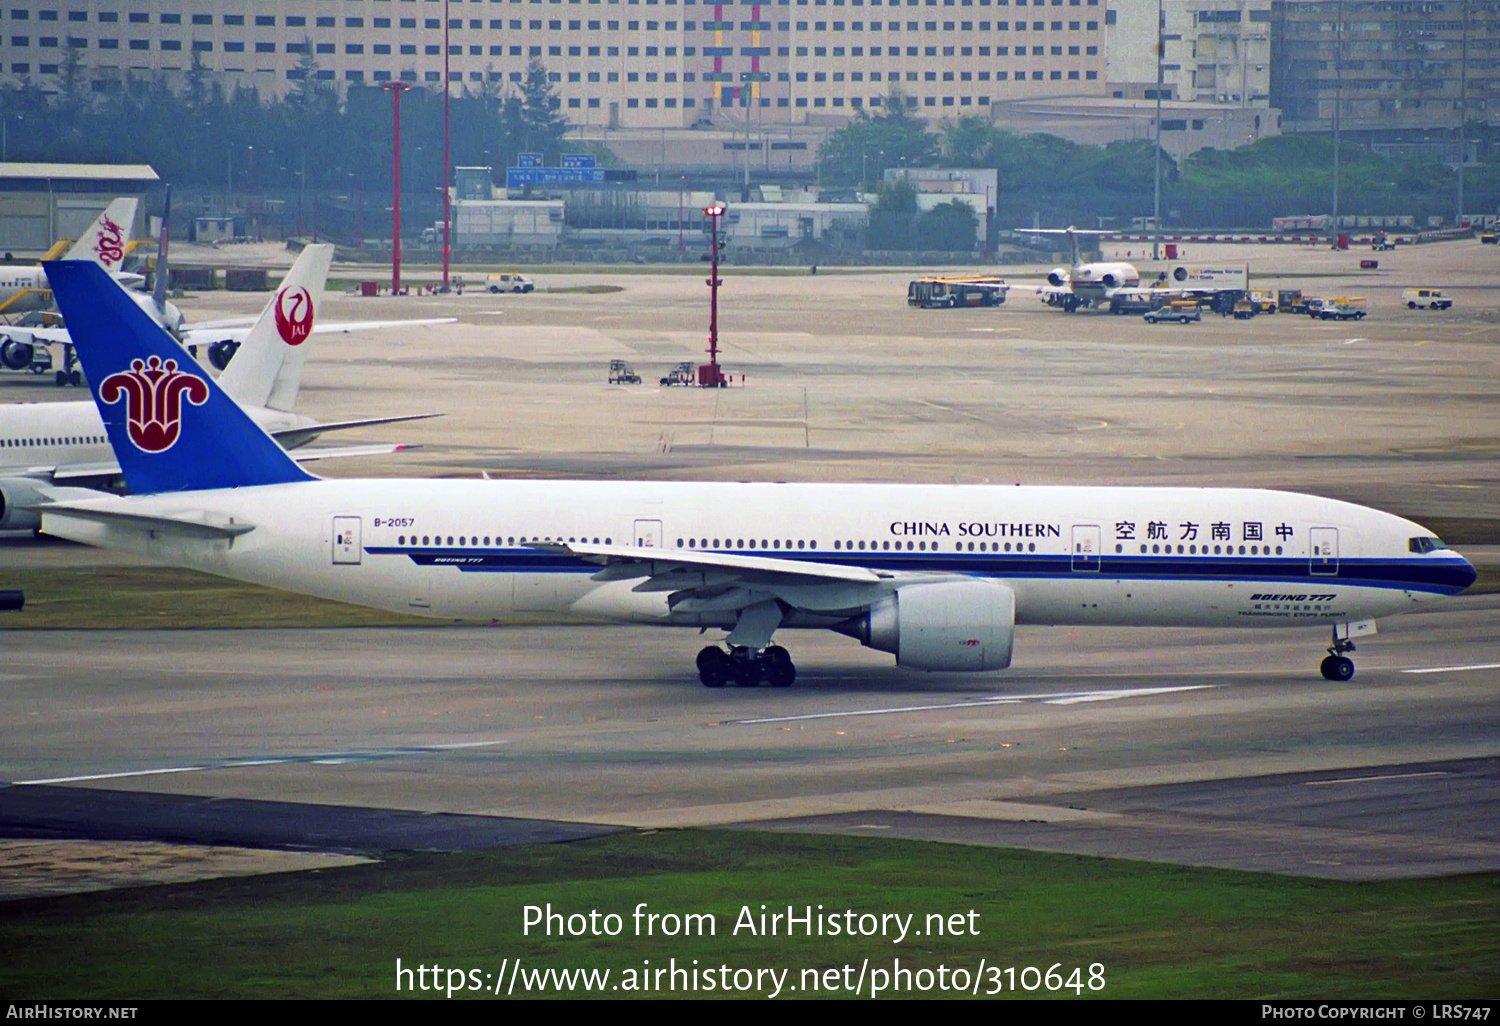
656 64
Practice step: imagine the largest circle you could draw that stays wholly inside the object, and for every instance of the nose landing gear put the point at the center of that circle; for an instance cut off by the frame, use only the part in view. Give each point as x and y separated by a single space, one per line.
1338 666
744 668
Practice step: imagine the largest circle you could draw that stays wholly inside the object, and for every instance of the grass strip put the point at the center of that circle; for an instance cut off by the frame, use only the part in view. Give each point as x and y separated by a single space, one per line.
1158 931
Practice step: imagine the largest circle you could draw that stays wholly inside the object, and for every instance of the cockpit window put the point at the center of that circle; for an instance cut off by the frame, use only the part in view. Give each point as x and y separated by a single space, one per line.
1420 545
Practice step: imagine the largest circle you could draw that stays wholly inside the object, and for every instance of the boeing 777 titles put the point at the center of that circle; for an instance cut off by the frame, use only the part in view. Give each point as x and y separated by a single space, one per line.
940 576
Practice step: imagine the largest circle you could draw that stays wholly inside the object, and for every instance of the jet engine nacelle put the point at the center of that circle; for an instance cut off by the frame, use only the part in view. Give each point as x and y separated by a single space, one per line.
19 499
16 354
958 625
1057 277
1110 281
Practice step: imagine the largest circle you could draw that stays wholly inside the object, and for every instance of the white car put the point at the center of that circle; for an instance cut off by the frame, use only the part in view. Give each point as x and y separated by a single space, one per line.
1425 299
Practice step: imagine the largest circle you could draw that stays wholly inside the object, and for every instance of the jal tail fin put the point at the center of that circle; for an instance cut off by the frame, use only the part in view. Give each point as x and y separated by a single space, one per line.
172 427
267 368
108 237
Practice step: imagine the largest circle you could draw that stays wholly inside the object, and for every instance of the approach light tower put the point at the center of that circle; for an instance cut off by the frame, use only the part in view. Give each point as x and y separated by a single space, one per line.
709 374
396 89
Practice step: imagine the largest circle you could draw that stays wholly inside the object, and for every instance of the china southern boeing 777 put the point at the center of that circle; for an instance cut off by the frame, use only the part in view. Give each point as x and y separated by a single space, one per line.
939 576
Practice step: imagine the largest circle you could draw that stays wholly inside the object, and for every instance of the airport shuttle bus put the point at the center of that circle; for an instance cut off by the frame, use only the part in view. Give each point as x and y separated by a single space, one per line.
948 293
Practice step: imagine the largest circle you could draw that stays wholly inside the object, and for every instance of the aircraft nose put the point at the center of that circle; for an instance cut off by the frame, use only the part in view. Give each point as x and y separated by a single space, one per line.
1464 574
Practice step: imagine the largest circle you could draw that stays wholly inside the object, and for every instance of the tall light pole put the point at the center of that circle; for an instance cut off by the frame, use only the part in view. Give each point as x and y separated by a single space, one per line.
396 89
709 375
1156 174
447 212
1463 108
1338 102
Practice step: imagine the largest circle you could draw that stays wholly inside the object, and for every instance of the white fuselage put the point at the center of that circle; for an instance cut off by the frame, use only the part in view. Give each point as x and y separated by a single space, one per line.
1114 555
15 280
56 436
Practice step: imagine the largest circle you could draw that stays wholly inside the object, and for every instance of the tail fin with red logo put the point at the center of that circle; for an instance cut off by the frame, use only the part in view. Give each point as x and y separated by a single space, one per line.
108 237
267 368
171 426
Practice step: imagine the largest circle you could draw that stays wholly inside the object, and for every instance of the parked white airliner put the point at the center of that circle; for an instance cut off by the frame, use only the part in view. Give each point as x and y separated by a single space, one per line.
939 576
1083 284
65 442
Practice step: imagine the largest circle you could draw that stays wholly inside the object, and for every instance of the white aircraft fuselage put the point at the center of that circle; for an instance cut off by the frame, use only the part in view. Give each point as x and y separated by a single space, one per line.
1216 557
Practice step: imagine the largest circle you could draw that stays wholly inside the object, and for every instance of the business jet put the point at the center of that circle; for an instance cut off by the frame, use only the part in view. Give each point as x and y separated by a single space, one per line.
939 576
65 442
1088 285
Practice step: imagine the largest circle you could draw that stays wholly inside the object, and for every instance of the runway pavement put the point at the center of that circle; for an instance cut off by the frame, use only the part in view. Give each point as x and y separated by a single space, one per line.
593 725
1196 746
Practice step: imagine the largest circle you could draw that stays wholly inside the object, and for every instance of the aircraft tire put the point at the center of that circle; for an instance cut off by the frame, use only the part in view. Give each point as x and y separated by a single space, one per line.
713 667
780 671
1338 668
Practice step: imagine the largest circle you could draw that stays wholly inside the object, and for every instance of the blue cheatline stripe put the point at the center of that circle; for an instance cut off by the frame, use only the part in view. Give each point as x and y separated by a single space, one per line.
1438 578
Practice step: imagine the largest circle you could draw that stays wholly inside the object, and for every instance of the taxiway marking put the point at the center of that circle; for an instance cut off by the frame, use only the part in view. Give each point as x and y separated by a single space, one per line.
1059 698
317 759
1456 669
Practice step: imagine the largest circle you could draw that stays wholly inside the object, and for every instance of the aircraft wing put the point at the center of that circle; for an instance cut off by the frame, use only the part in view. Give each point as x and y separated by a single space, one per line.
236 329
291 438
699 581
50 336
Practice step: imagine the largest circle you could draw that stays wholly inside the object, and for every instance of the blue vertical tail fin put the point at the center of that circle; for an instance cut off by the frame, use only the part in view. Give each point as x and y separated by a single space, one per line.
171 426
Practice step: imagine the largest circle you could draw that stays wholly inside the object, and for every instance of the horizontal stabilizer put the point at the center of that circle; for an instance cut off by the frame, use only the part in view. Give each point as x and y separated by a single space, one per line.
185 526
291 438
346 451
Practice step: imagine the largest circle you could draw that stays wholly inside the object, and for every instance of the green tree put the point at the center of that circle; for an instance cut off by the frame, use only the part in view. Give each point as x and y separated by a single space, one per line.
893 218
539 116
949 227
861 151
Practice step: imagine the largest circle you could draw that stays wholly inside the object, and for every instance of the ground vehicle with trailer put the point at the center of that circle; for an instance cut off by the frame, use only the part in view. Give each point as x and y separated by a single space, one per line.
621 373
1425 298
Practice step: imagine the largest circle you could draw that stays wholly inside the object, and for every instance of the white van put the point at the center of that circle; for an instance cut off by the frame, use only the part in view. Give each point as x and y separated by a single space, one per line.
1425 299
508 283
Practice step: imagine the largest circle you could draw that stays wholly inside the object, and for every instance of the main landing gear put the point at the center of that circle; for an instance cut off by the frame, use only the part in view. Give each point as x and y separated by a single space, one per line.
1338 666
744 668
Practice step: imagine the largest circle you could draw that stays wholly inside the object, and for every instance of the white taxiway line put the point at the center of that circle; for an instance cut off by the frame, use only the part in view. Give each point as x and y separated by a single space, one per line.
1456 669
1383 776
1056 698
320 759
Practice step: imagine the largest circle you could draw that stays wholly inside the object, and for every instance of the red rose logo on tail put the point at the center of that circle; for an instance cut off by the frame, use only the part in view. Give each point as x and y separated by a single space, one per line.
111 244
294 315
153 394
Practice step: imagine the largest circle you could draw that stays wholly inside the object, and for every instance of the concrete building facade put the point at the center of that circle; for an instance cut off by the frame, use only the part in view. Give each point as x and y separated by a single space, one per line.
1214 51
625 63
1386 67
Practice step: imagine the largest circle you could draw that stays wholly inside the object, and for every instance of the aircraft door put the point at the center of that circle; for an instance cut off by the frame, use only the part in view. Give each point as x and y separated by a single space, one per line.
1086 548
648 534
1323 557
346 547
